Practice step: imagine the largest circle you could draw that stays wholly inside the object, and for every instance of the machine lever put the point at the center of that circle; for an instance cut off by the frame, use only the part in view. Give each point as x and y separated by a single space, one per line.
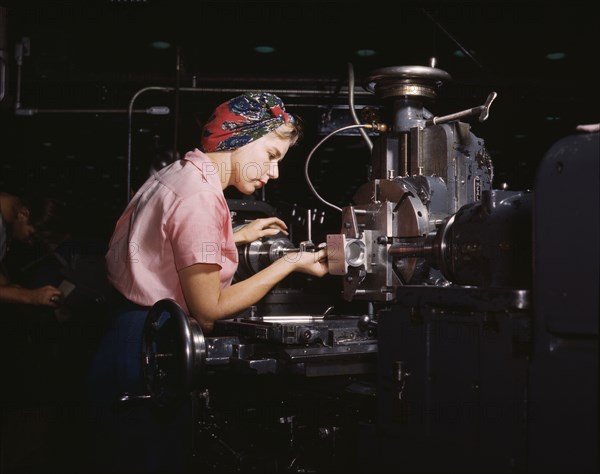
367 322
482 110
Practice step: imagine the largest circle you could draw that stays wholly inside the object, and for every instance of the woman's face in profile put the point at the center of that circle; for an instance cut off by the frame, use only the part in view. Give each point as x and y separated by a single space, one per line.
254 164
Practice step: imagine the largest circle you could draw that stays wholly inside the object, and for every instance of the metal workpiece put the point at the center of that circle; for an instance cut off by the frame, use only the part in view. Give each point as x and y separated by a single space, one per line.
260 253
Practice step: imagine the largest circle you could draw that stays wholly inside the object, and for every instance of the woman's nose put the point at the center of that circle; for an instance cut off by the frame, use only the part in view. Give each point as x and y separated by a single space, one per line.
273 171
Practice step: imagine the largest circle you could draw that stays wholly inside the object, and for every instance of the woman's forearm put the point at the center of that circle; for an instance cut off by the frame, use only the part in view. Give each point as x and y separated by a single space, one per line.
243 294
207 302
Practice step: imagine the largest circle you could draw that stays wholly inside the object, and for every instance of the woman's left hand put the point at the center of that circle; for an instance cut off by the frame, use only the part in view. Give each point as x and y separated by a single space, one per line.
258 228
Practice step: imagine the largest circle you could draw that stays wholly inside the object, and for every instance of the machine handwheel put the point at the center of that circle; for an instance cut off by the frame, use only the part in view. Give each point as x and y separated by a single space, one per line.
173 350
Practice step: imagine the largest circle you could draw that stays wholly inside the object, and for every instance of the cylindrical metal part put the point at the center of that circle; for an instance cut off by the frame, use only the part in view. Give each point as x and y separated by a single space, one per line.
414 248
255 256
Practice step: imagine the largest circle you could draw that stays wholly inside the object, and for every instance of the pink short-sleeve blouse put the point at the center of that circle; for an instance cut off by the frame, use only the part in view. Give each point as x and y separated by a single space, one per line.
178 218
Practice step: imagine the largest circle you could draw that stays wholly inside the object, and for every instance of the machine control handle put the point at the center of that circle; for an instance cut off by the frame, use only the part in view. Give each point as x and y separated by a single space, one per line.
482 110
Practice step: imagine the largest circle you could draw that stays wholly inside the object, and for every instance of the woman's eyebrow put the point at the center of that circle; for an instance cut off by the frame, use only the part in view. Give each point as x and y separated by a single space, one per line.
275 152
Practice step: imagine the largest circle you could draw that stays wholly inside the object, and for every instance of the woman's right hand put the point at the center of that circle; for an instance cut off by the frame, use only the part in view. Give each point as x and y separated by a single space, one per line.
311 263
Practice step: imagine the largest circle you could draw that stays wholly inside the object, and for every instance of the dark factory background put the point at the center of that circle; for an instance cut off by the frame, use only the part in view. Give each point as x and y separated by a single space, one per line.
64 115
79 119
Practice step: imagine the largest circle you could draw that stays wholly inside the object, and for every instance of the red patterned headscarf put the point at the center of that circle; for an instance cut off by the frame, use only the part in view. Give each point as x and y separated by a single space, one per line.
242 120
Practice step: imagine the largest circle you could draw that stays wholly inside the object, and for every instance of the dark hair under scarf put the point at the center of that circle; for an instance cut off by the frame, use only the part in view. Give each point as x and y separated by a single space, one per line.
243 119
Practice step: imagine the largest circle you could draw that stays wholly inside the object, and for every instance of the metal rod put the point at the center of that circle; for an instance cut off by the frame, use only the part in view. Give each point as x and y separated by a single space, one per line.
129 133
29 111
452 38
176 112
411 247
407 249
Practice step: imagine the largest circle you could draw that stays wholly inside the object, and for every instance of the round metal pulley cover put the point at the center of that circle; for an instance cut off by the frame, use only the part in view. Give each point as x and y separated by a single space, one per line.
173 349
398 81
